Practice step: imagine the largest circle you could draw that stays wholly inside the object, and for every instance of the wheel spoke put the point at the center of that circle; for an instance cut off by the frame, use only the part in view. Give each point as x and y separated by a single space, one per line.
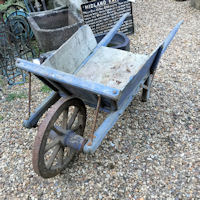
67 151
76 127
51 145
53 134
65 118
53 156
59 131
61 155
73 117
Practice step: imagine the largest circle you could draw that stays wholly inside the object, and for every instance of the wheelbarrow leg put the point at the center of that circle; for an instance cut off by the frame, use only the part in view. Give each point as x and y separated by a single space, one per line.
146 89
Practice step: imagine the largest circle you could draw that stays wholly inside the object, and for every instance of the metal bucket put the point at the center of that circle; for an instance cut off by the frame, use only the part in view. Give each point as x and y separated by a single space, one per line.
119 41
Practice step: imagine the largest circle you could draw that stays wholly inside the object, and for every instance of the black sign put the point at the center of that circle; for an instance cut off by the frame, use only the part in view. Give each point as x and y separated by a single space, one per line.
101 15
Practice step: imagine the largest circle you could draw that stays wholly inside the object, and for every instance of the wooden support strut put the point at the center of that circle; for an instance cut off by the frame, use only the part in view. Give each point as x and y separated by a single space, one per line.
95 121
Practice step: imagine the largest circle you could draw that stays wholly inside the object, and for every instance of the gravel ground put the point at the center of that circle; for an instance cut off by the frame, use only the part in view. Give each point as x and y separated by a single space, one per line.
153 150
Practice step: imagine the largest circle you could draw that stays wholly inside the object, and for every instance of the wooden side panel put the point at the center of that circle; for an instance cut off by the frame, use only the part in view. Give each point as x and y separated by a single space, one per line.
73 52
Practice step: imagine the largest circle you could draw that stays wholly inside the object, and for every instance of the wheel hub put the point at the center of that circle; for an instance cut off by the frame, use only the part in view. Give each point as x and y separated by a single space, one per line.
68 138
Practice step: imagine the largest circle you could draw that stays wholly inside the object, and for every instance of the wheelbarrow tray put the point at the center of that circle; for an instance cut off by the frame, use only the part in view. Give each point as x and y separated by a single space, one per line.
111 80
110 73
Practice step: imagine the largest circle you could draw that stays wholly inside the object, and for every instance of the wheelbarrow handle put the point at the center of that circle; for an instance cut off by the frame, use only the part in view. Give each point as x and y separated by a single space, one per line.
171 36
164 46
105 41
108 37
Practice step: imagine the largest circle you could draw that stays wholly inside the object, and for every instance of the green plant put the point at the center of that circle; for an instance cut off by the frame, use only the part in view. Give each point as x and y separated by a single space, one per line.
13 96
45 89
1 118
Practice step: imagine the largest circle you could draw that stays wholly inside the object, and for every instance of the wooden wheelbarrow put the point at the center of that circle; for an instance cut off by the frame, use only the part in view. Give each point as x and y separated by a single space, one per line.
83 73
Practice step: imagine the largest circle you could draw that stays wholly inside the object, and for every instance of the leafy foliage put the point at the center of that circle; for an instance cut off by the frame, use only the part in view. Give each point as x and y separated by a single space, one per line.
14 96
45 89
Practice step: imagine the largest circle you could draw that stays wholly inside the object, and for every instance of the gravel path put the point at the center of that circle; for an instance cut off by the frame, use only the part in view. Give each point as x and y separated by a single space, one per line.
153 150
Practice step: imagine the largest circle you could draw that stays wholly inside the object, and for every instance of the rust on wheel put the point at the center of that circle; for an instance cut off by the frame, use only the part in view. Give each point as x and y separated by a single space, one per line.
50 157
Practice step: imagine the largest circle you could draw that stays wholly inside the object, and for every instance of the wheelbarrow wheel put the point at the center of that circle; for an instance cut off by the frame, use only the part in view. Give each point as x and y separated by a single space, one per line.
50 157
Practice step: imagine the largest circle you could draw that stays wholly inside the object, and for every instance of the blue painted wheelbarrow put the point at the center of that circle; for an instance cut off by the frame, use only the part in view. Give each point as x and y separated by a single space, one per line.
83 73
